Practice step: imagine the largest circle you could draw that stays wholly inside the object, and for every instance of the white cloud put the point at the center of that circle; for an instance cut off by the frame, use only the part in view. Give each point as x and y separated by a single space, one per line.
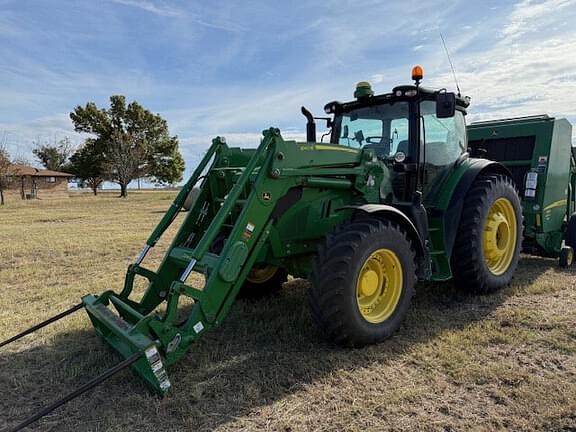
155 8
530 16
163 10
19 138
527 75
510 65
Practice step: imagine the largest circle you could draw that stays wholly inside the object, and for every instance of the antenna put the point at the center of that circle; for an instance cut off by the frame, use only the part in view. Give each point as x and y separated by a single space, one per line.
451 65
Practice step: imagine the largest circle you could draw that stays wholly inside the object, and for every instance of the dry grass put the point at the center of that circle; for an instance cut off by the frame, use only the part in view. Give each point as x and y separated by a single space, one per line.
460 362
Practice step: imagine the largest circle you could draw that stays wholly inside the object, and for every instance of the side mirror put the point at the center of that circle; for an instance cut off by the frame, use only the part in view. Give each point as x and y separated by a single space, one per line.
445 105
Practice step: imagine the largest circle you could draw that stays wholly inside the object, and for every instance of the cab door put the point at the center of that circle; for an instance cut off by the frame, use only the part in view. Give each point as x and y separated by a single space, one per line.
443 142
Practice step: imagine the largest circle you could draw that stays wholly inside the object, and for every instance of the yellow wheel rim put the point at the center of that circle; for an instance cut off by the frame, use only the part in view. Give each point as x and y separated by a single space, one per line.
500 236
262 274
379 286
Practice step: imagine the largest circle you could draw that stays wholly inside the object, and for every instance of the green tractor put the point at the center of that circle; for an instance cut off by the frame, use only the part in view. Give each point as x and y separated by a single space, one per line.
392 198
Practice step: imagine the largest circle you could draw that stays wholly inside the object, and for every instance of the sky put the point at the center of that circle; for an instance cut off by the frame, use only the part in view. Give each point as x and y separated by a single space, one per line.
234 68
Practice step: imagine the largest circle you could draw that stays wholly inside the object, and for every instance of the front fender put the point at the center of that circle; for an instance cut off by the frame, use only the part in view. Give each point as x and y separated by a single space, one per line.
395 215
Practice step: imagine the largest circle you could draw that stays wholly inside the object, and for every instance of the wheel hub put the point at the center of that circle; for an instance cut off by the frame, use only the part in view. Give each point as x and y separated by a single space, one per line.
369 283
499 237
379 286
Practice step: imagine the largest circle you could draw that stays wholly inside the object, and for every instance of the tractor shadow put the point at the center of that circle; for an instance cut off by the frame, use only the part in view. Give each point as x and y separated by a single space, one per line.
266 351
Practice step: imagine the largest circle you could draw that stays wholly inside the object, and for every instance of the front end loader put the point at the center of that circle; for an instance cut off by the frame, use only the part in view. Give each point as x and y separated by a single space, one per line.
391 198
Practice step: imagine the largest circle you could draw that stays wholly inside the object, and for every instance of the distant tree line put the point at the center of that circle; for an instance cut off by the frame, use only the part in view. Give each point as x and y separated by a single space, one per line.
126 142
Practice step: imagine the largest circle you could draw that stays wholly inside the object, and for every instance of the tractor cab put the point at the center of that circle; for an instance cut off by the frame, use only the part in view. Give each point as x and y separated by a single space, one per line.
416 132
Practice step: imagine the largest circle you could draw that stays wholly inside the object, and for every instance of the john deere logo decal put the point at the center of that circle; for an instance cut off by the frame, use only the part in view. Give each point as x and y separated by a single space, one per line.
266 196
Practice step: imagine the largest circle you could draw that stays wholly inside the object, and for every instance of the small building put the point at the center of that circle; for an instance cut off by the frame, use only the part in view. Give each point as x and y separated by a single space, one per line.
32 183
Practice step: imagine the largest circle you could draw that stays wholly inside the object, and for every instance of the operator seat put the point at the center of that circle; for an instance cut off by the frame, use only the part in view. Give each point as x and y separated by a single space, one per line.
403 147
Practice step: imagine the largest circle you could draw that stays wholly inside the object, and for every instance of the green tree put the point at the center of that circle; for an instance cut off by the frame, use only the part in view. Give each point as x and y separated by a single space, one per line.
53 156
4 167
134 142
87 164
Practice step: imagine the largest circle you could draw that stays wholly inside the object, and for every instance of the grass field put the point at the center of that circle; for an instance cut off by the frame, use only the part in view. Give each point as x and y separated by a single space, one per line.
460 362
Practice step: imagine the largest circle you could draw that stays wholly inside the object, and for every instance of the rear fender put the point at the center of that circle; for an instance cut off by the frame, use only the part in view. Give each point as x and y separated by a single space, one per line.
453 211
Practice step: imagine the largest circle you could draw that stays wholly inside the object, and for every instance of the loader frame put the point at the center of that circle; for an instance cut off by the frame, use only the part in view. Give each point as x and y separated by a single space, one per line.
246 214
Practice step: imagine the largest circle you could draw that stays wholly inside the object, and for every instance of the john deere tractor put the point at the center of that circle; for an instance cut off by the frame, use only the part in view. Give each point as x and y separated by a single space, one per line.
391 198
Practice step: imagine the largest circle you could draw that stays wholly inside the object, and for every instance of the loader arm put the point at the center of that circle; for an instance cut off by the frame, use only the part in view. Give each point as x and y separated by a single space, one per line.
133 327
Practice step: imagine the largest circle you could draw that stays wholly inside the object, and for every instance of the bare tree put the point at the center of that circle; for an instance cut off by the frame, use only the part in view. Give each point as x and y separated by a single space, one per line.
124 158
4 171
17 162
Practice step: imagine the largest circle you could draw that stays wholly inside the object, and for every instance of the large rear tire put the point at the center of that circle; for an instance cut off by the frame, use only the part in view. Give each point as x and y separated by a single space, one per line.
489 238
362 282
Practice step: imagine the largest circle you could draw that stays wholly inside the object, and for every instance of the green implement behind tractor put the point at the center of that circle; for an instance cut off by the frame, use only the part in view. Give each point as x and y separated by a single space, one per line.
392 198
538 152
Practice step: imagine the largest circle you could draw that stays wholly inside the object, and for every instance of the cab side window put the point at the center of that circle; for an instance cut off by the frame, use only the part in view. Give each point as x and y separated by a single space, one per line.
444 142
444 139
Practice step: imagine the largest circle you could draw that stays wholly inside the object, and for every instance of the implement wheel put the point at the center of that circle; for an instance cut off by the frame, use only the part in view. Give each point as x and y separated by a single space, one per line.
363 282
487 247
570 234
263 280
566 256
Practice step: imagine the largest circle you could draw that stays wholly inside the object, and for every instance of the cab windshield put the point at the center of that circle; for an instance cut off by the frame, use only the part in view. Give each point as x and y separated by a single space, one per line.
383 128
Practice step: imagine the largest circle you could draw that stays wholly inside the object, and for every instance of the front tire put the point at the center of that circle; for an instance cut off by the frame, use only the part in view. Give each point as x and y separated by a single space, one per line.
363 282
487 247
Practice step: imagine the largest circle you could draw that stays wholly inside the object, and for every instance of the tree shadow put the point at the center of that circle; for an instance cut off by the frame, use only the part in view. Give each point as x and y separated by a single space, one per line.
266 350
